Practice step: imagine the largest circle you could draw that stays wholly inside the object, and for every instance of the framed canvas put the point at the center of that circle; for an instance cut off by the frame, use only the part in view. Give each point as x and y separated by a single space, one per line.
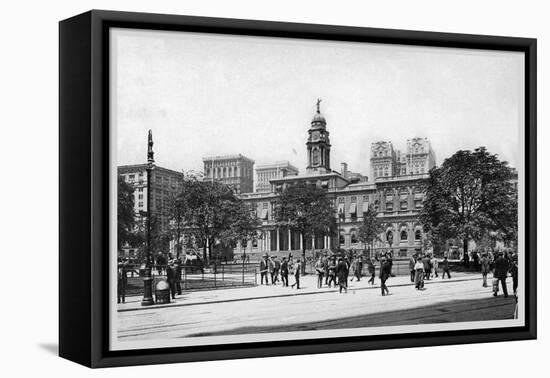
236 188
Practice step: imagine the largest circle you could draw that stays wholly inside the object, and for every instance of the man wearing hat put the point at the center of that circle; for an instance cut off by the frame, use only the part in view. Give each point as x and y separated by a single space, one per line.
171 277
514 273
122 280
501 272
284 272
385 272
276 268
332 272
342 273
264 267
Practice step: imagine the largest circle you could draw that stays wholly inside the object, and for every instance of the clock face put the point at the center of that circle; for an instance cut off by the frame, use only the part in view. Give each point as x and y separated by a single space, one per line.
315 135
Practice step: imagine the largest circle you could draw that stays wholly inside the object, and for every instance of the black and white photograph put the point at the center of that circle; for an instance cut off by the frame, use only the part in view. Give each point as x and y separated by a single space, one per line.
267 189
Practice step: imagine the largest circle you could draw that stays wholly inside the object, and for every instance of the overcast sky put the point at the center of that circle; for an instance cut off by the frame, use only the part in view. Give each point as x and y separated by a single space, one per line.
205 94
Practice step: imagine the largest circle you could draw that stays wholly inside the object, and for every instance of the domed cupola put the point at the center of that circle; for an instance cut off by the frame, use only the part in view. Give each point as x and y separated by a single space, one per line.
318 144
318 120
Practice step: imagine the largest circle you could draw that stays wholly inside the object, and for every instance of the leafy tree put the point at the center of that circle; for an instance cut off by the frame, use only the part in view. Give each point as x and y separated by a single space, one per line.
468 196
160 241
369 232
307 210
211 212
125 213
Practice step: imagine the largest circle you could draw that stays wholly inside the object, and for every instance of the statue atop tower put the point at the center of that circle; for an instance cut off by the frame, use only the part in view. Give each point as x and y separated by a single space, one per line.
318 144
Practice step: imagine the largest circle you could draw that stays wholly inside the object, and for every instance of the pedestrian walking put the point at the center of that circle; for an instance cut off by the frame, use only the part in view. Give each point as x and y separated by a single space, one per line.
284 272
171 278
342 273
122 273
435 264
332 272
412 263
325 267
485 268
427 267
499 275
358 268
264 270
372 270
319 270
445 266
276 269
419 273
297 272
385 272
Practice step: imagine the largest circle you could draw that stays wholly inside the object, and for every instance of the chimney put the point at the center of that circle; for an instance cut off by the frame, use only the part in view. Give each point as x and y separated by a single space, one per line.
344 169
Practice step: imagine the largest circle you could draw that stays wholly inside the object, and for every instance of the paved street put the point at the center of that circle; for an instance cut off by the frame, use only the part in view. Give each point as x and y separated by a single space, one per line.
277 309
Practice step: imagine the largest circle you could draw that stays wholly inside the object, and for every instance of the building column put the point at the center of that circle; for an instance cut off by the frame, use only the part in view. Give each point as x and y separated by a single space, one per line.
301 242
313 246
289 240
278 240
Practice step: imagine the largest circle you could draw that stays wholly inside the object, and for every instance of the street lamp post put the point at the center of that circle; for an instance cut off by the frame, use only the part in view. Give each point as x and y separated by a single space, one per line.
147 275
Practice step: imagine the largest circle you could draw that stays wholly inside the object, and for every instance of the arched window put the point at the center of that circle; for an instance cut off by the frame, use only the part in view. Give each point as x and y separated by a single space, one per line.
418 235
341 238
404 235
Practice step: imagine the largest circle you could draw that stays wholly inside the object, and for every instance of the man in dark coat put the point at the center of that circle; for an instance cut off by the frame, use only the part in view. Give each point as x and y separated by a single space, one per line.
501 272
276 269
332 272
171 278
427 267
264 270
446 267
372 270
122 280
385 272
342 273
284 272
297 273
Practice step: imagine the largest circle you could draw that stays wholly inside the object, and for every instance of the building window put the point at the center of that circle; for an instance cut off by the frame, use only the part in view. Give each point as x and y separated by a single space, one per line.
402 253
353 234
140 196
389 206
404 205
342 238
418 204
140 189
140 204
404 235
418 235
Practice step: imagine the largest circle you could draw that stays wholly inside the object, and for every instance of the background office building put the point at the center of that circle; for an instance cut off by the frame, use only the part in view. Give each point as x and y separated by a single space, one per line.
236 171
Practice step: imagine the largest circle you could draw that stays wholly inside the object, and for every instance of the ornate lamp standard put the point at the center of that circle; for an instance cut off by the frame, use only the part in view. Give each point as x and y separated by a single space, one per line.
147 276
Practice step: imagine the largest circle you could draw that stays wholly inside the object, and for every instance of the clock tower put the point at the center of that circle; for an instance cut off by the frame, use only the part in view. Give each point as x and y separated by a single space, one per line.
318 144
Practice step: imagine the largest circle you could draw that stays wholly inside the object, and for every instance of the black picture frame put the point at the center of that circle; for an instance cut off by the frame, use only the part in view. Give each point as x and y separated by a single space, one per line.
84 183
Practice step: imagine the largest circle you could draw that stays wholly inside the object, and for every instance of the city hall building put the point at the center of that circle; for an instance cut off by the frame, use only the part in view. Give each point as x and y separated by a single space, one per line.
396 190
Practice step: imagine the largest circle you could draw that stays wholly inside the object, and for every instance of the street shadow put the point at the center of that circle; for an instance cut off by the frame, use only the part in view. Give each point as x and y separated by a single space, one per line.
446 312
51 348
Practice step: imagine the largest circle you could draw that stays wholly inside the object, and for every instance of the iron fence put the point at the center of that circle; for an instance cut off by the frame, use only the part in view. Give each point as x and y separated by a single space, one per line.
216 275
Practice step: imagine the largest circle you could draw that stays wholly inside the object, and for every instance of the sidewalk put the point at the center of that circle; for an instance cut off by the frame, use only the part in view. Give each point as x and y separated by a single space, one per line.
308 285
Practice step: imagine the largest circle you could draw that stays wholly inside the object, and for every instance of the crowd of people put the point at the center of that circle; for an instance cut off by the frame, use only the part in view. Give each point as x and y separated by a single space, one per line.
331 271
335 270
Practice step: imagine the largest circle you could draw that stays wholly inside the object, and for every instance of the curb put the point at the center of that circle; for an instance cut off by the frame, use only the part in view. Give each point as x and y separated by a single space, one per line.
154 307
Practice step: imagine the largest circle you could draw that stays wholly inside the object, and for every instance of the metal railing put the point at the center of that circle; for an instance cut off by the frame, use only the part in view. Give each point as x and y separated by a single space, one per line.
197 277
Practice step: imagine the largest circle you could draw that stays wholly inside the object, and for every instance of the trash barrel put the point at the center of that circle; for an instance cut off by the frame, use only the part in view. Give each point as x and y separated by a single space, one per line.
162 292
